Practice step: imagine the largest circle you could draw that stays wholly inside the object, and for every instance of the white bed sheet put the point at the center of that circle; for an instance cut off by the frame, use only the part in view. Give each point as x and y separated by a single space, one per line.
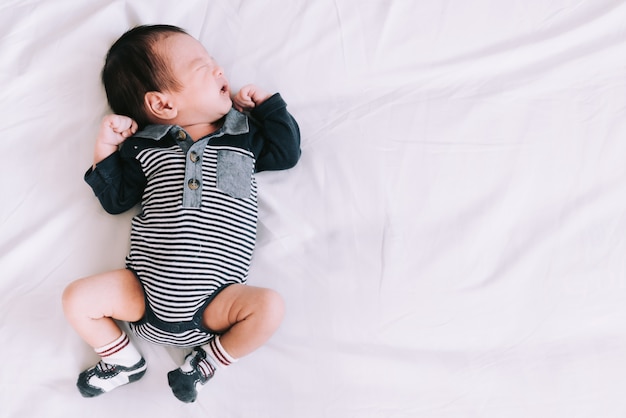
451 244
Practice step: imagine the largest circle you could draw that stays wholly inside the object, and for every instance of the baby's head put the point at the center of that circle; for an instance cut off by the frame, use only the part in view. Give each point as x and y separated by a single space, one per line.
160 74
134 67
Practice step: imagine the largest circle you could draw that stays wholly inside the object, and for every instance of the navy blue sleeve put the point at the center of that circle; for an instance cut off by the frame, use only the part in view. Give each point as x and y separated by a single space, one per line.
275 135
118 182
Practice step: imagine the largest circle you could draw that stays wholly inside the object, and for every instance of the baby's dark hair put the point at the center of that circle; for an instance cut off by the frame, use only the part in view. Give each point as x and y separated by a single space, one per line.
134 67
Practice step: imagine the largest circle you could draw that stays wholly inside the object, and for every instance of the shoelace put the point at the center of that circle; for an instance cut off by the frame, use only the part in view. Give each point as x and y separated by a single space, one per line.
203 366
104 367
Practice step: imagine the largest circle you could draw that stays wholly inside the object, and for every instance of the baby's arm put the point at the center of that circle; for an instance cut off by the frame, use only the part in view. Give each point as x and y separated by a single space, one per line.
113 131
276 135
249 97
117 180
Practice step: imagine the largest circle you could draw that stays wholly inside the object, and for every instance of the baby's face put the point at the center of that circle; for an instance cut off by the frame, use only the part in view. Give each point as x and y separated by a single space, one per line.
205 93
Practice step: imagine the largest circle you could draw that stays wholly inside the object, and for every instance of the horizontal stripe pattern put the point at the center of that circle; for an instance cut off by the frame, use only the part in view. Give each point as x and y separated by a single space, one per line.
115 347
190 338
183 255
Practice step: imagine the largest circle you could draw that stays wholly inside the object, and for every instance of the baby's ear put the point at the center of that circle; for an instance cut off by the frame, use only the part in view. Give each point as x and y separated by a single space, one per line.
160 106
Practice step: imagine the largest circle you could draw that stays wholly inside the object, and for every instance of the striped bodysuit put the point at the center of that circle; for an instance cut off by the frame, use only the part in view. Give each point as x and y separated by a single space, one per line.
196 231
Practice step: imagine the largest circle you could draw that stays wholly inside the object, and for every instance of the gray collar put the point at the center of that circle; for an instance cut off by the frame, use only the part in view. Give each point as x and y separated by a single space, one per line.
236 123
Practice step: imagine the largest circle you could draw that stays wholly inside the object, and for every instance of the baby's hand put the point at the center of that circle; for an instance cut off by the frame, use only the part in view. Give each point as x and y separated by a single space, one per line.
248 97
115 129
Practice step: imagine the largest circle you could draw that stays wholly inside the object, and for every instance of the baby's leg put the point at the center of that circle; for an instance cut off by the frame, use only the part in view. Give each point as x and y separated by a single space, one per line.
91 305
245 317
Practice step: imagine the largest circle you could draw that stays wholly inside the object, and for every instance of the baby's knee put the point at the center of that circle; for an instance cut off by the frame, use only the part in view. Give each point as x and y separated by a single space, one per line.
72 296
272 304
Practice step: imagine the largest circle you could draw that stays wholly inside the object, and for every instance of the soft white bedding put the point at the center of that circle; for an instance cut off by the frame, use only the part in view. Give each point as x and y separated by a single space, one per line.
451 244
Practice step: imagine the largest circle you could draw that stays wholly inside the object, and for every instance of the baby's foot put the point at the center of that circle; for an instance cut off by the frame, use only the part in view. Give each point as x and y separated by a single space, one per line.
187 380
104 377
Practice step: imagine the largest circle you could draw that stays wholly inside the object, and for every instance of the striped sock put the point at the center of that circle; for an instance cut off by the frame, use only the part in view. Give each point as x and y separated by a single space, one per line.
217 355
121 351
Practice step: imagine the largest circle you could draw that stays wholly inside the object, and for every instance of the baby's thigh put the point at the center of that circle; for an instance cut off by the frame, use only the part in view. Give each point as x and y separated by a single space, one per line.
236 303
115 294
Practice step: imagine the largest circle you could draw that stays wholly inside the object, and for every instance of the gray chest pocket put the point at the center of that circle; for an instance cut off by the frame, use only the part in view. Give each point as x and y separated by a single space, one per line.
234 173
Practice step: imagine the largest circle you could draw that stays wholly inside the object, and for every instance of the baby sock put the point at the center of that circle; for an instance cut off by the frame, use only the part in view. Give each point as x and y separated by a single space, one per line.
199 366
217 354
121 351
121 364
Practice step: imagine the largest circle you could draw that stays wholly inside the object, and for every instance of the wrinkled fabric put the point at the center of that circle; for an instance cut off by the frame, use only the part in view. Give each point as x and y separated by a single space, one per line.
450 244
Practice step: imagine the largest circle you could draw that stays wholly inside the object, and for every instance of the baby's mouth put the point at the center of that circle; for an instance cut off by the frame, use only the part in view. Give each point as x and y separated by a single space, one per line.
224 89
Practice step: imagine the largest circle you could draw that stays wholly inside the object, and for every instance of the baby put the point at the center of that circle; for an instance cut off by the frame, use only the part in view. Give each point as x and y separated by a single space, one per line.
177 145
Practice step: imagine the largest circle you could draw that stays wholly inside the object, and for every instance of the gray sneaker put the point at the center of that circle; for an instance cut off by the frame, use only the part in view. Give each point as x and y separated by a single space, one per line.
104 377
191 376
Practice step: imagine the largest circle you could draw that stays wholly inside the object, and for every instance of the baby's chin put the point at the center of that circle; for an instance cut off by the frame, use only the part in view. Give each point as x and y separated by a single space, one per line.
223 111
227 100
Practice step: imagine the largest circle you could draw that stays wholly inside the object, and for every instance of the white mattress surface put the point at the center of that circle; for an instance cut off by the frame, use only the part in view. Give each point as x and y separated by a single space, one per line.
452 242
